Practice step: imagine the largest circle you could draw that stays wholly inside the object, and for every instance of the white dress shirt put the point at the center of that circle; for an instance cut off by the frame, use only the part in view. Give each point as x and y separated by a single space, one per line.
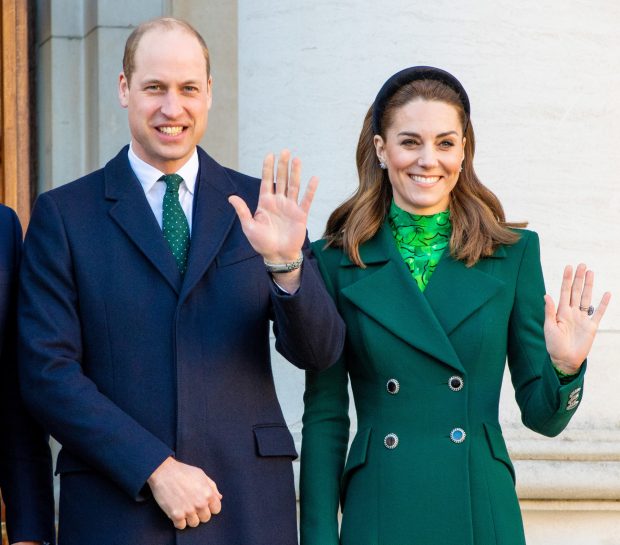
149 176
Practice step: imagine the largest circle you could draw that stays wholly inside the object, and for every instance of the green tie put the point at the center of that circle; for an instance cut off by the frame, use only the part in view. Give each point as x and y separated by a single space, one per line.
174 222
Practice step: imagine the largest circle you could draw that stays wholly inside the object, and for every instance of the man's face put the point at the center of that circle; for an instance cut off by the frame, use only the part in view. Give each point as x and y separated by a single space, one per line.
168 98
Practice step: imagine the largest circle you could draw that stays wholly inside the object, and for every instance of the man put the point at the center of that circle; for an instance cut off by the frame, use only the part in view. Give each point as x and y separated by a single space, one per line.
146 352
25 461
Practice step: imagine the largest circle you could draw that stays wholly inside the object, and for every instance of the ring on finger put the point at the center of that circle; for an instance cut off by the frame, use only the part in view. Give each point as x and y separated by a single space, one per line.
589 310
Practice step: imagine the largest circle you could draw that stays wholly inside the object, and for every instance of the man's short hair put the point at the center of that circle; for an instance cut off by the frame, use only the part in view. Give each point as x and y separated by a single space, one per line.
167 23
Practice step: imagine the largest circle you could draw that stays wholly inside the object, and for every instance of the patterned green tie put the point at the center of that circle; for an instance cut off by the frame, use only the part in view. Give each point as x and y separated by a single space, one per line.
174 222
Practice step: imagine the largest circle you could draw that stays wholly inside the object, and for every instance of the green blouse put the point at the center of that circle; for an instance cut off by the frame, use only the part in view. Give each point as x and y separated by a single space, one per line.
421 240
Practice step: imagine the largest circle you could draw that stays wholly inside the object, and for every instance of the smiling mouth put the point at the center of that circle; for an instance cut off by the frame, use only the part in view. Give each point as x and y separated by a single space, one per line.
425 180
170 131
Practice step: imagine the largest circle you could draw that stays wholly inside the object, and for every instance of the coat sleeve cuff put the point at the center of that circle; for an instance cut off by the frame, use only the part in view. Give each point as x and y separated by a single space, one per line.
567 396
571 392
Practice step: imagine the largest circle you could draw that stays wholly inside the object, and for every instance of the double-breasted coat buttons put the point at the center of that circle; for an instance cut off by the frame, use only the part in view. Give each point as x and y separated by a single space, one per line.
390 441
457 435
455 383
392 386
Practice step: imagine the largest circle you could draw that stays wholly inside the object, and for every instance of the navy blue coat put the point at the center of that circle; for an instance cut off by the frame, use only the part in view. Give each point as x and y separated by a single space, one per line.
126 363
25 460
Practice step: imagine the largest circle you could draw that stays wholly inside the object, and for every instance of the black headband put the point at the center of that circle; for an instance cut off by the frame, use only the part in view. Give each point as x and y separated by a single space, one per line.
414 73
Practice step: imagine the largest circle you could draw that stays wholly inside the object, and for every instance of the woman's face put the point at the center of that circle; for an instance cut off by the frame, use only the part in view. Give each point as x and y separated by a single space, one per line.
423 149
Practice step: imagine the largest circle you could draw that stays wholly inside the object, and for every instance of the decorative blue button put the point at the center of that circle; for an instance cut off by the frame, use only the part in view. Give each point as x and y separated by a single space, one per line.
457 435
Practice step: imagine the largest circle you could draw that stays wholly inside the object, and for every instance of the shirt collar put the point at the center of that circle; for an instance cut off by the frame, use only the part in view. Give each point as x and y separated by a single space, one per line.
148 175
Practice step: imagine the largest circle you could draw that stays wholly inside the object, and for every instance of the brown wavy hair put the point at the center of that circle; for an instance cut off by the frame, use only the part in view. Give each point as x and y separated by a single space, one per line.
478 221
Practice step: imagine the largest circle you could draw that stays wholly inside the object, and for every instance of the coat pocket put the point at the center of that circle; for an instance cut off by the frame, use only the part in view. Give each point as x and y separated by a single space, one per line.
498 448
355 460
274 440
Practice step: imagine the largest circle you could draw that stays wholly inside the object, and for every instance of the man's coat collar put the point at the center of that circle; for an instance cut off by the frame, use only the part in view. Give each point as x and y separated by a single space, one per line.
212 218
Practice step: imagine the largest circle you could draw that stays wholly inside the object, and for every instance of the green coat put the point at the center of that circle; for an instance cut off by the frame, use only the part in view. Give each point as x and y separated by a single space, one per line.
427 489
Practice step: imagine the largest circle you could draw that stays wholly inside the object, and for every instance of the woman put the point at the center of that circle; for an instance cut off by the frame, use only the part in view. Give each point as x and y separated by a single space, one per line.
436 290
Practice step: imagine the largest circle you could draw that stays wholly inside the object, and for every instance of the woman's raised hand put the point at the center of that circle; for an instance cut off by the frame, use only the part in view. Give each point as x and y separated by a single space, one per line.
570 330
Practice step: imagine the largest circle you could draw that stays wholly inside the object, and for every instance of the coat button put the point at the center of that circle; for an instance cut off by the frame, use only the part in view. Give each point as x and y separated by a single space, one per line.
393 386
457 435
391 441
455 383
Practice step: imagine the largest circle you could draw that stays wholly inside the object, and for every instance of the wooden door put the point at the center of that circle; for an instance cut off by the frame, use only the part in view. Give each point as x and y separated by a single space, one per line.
16 150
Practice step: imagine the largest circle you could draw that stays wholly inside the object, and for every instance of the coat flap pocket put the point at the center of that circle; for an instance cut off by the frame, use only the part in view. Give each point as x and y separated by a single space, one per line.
274 440
498 447
235 255
356 457
68 463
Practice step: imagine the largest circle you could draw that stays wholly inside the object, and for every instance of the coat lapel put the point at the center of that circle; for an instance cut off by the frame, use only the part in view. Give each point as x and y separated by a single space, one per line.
212 220
455 291
133 214
386 292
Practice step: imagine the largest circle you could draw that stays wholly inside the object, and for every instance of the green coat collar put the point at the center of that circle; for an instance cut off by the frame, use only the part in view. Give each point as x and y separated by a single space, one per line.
385 291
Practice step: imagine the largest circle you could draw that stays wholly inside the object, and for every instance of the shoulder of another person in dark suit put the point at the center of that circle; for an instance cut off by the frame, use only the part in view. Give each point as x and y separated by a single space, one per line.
9 223
10 242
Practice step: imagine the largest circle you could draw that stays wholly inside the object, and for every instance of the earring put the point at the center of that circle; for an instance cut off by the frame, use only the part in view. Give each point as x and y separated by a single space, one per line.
382 165
461 170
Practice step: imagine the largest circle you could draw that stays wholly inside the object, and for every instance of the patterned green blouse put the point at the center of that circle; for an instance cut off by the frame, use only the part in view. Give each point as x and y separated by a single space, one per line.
421 240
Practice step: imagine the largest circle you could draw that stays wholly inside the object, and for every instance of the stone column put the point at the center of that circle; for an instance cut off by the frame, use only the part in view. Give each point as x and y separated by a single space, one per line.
79 57
216 20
